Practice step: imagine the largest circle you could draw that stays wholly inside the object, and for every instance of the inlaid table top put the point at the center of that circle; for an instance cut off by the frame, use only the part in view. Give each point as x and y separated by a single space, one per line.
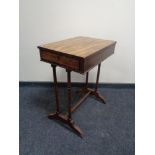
78 54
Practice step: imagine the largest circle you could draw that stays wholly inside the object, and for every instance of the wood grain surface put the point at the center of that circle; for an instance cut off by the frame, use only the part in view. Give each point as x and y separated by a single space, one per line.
79 54
79 46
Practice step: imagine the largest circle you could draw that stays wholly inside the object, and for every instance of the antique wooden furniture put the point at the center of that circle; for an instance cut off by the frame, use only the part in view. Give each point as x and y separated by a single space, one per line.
79 54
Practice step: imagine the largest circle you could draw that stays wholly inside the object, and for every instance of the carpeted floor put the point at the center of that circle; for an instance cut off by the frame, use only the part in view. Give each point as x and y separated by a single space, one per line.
108 129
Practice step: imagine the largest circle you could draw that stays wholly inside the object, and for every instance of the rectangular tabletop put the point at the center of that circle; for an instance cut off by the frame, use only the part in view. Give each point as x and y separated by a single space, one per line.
79 54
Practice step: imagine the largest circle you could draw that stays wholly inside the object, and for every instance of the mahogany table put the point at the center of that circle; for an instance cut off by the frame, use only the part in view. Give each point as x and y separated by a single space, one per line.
79 54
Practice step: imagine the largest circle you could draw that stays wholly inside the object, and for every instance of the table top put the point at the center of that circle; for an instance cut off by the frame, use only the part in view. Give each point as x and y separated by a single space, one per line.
79 54
78 46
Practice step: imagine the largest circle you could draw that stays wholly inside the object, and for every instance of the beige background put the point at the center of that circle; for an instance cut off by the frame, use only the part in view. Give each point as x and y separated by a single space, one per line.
52 20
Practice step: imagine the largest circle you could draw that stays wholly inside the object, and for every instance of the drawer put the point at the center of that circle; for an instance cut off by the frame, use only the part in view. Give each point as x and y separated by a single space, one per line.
61 60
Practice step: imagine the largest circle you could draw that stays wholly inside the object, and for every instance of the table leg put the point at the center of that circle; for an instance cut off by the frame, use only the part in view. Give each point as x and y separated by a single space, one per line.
69 93
84 89
70 120
87 75
96 93
56 89
93 92
56 114
97 78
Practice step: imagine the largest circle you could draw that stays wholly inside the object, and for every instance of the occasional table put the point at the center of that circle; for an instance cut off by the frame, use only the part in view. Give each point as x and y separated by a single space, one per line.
79 54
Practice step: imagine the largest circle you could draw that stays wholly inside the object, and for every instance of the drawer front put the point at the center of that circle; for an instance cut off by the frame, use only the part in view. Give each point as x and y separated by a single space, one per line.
63 61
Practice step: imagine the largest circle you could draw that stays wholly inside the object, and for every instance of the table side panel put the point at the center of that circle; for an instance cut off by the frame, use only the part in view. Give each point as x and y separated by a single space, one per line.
93 60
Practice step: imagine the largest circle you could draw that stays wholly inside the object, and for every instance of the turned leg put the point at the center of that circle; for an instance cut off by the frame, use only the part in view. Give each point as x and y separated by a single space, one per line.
55 115
70 120
97 78
84 89
69 93
93 92
56 89
96 93
86 84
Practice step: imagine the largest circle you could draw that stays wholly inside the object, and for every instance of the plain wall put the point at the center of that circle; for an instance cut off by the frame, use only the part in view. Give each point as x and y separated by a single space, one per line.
44 21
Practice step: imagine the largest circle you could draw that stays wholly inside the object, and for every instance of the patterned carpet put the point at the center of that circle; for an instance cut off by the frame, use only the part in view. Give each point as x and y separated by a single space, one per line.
109 129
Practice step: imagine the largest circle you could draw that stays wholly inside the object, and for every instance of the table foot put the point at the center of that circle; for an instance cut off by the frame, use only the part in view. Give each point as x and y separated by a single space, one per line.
93 92
76 129
70 123
100 97
53 116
